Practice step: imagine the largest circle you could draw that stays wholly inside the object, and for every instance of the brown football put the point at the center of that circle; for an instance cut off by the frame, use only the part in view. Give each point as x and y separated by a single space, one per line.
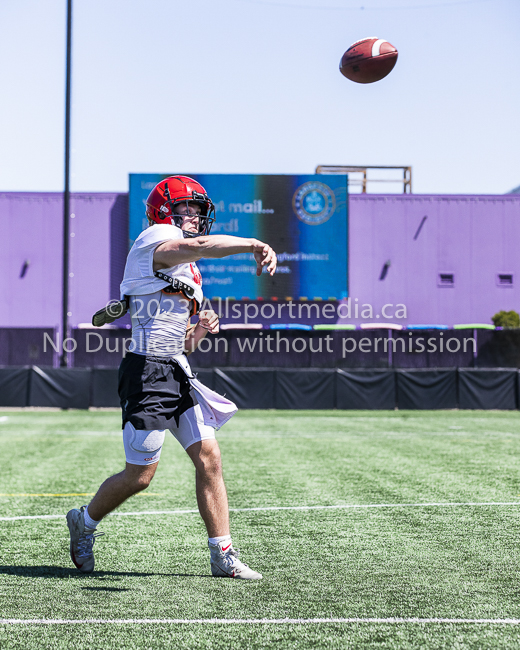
368 60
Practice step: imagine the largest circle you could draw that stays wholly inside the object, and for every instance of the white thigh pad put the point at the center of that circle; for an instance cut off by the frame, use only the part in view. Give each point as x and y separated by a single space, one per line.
142 447
146 441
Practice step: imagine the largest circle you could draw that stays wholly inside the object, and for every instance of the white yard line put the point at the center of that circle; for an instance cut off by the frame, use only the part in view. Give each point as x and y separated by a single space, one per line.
273 508
254 621
70 494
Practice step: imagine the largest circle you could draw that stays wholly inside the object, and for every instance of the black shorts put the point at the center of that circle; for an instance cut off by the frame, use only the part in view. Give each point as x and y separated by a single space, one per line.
154 392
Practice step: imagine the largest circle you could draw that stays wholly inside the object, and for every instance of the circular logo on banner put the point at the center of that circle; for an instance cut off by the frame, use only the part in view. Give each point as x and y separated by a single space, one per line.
314 203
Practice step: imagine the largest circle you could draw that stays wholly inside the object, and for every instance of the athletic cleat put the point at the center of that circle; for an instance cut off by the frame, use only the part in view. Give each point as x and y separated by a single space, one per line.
81 540
225 563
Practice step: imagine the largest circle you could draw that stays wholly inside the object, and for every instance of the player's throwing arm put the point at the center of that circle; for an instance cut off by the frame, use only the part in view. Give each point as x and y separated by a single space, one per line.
183 251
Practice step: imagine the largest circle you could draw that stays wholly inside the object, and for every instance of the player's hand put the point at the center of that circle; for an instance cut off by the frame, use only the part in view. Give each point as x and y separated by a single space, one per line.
208 319
264 256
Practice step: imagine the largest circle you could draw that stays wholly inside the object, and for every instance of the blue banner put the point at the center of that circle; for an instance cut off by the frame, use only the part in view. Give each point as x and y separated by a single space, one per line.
304 218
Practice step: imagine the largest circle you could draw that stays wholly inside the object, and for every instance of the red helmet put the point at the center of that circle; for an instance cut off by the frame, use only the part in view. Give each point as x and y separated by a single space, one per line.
180 189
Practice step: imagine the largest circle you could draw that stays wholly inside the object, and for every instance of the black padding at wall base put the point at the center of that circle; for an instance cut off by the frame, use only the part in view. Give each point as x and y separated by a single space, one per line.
249 389
488 389
67 388
426 389
365 389
310 389
103 387
296 388
14 386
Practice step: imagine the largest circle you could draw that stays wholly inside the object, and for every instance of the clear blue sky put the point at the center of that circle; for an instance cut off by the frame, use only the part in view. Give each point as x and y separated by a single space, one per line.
252 86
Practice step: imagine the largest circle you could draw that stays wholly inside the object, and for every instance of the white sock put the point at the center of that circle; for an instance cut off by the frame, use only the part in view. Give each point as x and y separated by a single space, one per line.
226 539
89 522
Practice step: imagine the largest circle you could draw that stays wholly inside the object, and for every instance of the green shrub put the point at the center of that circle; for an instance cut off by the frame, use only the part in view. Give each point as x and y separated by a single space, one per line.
506 319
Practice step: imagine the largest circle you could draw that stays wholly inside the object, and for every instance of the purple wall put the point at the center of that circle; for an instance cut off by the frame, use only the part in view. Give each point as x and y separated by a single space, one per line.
31 229
473 237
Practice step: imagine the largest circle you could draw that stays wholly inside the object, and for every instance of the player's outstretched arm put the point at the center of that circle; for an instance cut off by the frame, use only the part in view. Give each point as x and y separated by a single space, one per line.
182 251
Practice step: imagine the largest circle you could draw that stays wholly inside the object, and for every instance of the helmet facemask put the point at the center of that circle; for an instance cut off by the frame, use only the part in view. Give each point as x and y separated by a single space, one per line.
206 216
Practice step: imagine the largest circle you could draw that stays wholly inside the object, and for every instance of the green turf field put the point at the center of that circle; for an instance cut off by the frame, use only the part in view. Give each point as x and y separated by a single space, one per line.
429 561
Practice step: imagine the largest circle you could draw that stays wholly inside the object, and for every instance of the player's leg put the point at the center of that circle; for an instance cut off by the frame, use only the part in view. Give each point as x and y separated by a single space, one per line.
210 488
143 450
199 442
120 487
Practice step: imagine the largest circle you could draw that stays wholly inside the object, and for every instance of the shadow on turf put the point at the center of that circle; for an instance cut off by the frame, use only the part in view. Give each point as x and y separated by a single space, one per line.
62 572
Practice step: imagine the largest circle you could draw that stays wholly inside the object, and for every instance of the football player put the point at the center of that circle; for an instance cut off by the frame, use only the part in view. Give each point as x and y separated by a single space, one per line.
163 289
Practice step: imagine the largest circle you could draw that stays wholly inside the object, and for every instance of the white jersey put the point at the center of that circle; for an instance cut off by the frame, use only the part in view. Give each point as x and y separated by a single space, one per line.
159 320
